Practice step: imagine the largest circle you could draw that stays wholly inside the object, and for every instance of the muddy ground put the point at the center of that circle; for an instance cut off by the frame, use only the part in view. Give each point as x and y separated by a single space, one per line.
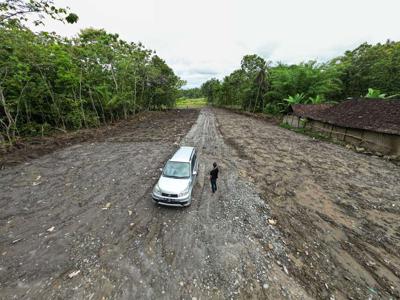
338 211
85 212
28 148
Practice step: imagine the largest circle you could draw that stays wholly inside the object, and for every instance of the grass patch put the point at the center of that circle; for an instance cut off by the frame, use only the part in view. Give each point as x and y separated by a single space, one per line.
308 132
191 103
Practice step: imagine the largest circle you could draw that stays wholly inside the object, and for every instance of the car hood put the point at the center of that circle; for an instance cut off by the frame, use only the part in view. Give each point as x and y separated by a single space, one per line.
173 185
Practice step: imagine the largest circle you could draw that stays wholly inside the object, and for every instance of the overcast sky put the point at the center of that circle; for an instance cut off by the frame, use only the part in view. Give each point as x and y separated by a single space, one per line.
201 39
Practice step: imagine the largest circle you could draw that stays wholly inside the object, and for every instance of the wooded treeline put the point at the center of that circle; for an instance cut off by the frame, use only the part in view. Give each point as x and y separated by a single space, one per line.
191 93
49 82
260 85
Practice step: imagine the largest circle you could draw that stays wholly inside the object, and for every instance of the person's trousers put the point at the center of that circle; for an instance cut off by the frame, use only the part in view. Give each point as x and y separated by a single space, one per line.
214 185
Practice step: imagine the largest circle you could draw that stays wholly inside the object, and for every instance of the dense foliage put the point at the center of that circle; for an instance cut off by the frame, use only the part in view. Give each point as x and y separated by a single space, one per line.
262 86
370 66
192 93
49 82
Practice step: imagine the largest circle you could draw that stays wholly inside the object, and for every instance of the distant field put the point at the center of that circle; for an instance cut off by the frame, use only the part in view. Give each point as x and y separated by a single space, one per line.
191 103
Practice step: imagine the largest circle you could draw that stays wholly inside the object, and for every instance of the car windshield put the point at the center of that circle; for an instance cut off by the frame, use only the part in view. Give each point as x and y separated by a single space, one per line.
177 169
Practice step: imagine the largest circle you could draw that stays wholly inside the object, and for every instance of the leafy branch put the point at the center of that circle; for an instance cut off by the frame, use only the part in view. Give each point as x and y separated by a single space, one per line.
21 10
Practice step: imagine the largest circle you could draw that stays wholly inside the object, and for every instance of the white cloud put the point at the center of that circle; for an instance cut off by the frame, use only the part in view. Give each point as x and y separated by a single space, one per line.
204 39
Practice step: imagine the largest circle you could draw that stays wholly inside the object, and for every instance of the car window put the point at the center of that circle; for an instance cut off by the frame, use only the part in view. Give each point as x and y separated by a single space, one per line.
177 169
193 162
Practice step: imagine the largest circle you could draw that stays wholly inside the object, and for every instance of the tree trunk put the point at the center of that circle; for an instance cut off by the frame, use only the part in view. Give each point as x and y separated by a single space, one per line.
255 103
80 100
10 135
134 99
94 107
52 98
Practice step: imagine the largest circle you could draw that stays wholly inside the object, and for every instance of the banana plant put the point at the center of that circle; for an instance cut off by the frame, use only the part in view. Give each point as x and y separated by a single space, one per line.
316 100
375 93
296 99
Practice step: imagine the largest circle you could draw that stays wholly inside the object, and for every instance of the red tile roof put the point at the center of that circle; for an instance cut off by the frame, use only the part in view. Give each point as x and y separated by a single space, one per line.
370 114
309 110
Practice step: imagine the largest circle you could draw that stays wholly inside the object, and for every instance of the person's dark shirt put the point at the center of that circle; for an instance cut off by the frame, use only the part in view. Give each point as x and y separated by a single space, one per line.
214 173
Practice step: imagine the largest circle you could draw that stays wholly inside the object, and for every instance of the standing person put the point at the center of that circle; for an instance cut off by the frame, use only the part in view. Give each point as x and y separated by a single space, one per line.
214 177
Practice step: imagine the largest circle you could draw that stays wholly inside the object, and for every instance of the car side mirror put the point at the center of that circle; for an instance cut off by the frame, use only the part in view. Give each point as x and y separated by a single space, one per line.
194 173
161 169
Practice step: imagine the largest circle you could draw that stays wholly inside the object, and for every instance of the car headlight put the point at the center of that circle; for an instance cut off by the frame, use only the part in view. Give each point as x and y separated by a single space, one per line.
157 189
184 192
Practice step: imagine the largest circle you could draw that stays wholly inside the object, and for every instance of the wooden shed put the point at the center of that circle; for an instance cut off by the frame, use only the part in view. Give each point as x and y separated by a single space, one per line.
370 123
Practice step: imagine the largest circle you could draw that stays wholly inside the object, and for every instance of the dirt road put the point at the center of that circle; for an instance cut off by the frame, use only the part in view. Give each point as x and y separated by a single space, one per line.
85 212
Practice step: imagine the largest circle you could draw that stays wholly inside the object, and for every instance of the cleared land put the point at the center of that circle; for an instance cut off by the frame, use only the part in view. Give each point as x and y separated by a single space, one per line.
337 210
87 208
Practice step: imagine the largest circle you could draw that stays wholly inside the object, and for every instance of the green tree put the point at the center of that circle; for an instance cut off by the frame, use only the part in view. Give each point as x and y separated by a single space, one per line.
376 66
53 83
21 10
211 89
192 93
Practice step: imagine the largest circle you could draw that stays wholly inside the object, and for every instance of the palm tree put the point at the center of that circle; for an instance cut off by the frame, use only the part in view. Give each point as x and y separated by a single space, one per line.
262 86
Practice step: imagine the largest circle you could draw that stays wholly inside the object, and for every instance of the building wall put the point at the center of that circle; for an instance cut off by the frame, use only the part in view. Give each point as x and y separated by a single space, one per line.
388 144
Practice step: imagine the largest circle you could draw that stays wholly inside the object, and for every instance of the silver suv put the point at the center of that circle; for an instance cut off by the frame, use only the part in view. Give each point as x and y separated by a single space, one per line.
178 176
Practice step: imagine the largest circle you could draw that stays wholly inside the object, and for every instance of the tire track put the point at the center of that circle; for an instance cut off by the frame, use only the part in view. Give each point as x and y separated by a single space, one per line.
220 247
